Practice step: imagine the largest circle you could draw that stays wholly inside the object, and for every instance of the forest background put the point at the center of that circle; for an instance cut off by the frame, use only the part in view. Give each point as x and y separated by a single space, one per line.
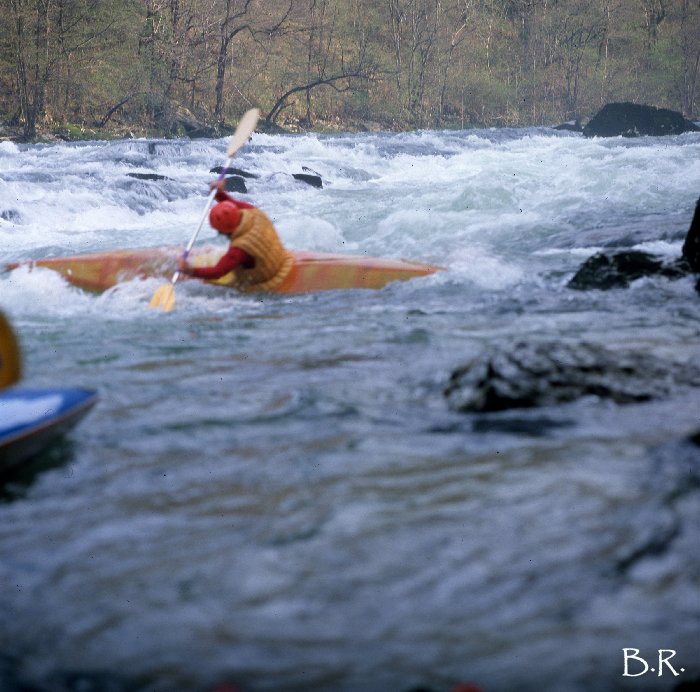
100 68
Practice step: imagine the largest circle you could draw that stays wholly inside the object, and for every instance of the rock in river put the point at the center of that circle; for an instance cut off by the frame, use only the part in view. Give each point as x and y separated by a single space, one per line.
635 120
525 374
618 270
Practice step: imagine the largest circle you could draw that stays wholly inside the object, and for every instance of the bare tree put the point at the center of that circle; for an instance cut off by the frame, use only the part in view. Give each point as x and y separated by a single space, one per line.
689 40
45 36
236 17
576 29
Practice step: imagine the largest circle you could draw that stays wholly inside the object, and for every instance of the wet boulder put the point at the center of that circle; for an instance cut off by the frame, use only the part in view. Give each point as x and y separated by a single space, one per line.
235 183
231 170
313 180
148 176
235 177
635 120
525 375
691 246
618 270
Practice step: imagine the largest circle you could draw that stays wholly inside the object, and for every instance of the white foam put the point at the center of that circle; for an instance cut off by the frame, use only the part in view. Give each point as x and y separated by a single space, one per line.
312 233
483 269
37 290
8 148
423 195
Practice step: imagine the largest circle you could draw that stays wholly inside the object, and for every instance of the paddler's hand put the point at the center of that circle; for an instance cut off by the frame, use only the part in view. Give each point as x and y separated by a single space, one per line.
218 185
183 267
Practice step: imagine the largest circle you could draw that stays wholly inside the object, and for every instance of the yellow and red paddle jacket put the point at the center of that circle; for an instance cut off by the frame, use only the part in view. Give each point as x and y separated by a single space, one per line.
256 257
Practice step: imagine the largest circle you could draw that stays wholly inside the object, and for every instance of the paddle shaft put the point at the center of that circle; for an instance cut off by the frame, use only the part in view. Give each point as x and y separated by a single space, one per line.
245 129
193 239
164 297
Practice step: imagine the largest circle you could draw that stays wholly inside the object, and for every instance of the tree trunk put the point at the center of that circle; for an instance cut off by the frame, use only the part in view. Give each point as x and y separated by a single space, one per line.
31 49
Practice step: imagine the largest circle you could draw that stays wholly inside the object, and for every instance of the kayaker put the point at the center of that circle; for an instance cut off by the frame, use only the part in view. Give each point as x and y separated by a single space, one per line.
256 257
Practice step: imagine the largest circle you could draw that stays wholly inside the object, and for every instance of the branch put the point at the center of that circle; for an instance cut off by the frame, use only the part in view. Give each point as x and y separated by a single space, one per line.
113 110
280 104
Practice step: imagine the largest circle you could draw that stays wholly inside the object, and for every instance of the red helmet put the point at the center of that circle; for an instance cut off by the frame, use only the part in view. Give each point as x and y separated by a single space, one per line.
225 216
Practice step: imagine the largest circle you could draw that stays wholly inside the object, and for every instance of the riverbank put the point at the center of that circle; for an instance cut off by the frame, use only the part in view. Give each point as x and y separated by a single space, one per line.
75 132
188 126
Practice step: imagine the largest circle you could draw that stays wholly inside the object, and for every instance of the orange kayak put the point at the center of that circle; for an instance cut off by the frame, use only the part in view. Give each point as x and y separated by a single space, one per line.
312 271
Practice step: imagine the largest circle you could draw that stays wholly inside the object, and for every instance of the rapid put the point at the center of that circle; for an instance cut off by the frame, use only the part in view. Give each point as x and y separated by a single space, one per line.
273 492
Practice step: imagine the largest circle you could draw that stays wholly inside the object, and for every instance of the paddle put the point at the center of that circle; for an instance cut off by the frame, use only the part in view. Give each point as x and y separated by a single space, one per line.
164 297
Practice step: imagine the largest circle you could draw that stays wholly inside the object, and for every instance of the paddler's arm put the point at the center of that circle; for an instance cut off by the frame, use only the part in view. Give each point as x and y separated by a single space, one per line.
235 257
223 196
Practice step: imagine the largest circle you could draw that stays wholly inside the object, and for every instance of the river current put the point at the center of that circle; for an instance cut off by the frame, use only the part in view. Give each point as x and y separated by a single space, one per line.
273 492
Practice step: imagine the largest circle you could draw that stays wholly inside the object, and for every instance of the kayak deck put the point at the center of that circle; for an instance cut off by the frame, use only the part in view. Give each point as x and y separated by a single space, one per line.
312 271
30 419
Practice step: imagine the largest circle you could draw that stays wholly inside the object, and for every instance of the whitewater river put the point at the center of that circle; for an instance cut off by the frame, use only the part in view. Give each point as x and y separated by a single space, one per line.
274 492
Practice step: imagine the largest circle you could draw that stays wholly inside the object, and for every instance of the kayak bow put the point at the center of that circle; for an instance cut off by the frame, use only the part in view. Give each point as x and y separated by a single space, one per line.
31 419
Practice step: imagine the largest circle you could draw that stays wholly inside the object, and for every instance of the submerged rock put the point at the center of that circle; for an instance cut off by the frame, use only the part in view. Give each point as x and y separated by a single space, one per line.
233 171
310 177
570 126
540 374
148 176
619 269
635 120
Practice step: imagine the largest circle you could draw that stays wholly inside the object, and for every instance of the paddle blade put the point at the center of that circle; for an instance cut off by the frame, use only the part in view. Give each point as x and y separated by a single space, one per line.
164 298
245 129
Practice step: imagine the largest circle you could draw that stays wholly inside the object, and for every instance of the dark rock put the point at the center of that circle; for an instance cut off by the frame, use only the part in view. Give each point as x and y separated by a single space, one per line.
540 374
691 246
634 120
313 180
234 183
617 270
603 271
148 176
571 126
233 171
